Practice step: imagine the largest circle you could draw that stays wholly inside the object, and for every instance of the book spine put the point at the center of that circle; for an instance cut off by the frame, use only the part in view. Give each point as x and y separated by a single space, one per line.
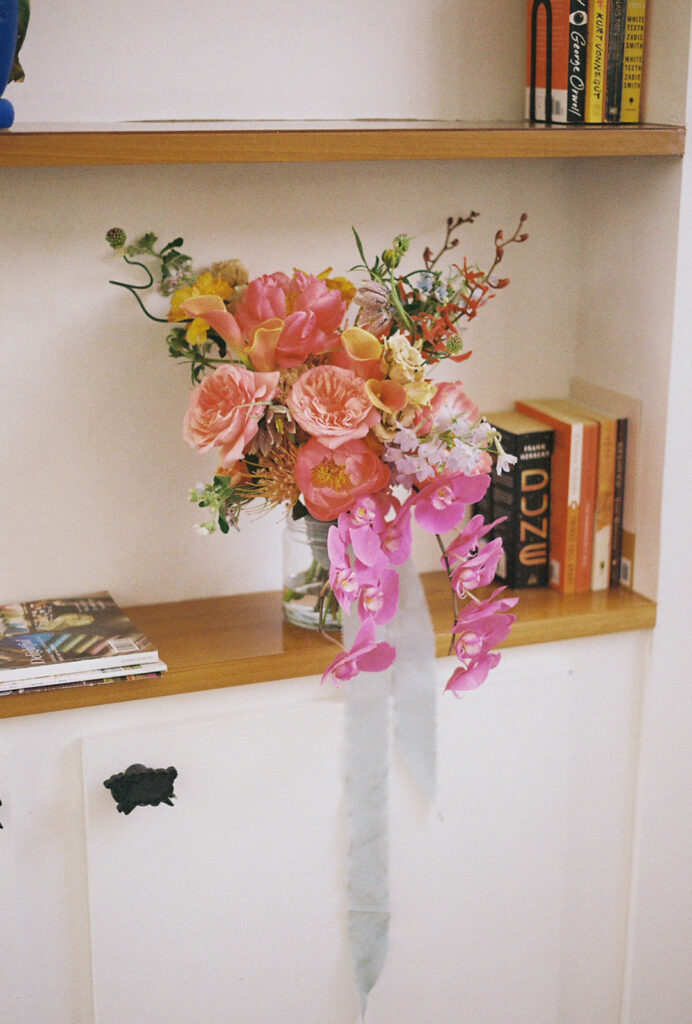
523 496
603 526
587 507
565 493
576 80
633 61
596 61
618 502
616 51
547 60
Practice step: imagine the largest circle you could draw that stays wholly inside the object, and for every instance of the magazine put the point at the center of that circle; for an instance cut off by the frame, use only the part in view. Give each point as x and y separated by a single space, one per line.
61 635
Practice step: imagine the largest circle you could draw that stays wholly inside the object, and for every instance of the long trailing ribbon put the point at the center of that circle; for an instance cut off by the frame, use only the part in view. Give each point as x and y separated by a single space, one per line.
411 681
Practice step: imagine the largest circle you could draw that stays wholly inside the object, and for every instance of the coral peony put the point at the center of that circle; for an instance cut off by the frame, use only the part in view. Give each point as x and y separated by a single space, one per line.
330 481
311 313
225 408
332 404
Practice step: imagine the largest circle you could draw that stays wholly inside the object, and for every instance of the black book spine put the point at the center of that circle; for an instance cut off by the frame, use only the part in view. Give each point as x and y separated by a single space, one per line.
576 76
618 502
616 54
523 495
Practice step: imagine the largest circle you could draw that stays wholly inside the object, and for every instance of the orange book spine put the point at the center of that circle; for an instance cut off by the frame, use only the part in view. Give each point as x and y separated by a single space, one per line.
565 493
587 507
547 68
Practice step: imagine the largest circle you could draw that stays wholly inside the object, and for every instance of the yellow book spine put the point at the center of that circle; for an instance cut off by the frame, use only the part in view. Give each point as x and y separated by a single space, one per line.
633 61
596 50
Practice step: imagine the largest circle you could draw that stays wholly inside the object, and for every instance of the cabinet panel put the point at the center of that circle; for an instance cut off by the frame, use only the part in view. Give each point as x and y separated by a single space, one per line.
510 902
199 908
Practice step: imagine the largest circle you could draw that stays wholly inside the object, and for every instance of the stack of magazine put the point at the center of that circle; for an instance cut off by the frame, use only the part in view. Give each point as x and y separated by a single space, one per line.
73 641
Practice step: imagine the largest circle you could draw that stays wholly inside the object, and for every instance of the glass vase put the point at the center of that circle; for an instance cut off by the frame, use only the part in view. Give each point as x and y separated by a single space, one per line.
308 600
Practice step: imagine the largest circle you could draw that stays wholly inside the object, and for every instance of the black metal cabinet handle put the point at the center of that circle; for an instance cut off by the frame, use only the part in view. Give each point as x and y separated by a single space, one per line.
139 786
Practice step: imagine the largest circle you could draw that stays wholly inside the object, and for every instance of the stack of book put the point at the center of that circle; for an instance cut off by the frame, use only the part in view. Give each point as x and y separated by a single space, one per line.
564 502
73 641
585 60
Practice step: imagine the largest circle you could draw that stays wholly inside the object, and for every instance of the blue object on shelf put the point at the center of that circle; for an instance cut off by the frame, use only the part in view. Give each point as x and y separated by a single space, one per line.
9 20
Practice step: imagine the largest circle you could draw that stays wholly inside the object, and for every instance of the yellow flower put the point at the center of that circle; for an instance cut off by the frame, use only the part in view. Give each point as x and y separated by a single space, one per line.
339 284
206 284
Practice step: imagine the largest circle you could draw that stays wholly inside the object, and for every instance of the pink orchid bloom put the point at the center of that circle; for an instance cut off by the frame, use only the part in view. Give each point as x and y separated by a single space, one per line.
366 655
441 505
380 601
464 679
479 628
478 570
467 540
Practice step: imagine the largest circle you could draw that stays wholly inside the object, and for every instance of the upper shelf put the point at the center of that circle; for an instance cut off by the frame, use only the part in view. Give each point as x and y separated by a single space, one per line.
178 142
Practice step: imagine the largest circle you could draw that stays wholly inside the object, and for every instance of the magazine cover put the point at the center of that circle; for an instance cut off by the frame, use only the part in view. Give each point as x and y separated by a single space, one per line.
58 635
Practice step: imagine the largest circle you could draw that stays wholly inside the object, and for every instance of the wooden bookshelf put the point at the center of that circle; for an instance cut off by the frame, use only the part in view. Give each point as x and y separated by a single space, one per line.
290 141
230 641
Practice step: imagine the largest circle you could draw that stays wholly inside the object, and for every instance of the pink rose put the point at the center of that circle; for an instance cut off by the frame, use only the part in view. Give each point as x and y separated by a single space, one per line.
331 481
225 409
332 404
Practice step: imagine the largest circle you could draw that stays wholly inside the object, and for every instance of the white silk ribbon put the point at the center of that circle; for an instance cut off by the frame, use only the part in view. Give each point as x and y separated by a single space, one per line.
411 680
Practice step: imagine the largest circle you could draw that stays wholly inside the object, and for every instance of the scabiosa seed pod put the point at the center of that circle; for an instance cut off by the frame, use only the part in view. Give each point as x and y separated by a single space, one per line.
454 345
116 238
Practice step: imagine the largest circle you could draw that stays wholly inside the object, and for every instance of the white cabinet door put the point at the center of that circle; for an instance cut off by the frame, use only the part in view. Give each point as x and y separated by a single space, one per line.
228 905
9 975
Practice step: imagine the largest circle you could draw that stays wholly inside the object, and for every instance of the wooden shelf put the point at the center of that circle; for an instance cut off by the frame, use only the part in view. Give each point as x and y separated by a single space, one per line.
230 641
294 141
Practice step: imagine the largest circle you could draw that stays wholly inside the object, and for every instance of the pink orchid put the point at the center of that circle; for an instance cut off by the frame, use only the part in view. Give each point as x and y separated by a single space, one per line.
477 570
380 601
479 628
467 541
464 679
441 505
366 655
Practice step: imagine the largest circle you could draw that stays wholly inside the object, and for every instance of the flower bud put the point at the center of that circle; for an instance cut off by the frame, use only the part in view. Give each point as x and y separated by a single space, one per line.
116 238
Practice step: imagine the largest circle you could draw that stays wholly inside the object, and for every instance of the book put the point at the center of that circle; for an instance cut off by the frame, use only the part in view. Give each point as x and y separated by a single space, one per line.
572 491
633 61
627 411
605 496
596 61
522 494
616 51
556 60
59 635
87 675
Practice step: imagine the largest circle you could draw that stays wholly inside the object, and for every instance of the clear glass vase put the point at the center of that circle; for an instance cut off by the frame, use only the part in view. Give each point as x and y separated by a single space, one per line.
308 600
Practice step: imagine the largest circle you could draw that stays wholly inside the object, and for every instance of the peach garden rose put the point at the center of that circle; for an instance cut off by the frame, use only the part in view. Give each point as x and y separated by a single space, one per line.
332 404
225 410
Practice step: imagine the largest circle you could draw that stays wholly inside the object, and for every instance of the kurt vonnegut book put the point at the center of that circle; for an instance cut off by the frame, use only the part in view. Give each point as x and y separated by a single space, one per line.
59 635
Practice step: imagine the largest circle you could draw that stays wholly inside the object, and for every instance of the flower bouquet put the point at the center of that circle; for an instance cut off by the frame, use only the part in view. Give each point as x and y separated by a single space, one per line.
318 396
